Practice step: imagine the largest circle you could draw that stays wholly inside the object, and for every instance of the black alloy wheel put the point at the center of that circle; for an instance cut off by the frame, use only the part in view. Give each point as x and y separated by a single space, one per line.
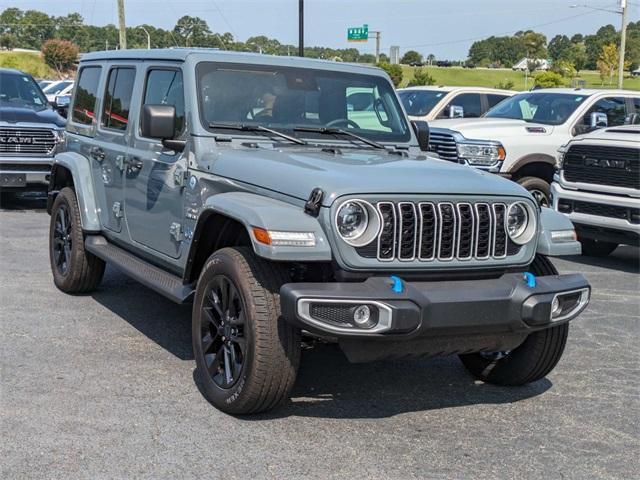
62 240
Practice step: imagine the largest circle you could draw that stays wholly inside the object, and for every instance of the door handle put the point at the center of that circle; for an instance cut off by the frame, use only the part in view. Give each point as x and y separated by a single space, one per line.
97 153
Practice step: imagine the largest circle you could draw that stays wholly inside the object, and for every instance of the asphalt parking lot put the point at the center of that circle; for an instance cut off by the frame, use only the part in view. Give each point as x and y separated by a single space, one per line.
101 386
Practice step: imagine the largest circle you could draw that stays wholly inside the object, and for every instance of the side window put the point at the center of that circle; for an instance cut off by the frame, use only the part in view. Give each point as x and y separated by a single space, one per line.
164 87
117 99
84 106
470 102
366 109
613 107
635 119
494 99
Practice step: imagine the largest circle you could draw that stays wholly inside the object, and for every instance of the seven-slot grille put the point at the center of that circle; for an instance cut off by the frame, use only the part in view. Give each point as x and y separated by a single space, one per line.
612 166
26 141
443 231
444 145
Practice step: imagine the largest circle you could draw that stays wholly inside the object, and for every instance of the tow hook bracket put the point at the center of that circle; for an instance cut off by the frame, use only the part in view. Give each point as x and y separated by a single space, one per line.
530 279
396 286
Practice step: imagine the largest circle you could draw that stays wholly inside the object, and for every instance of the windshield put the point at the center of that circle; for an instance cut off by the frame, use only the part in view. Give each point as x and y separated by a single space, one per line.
543 107
284 98
56 88
419 103
21 91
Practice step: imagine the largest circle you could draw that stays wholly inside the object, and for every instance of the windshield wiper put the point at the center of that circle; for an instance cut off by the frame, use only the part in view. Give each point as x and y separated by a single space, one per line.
339 131
244 127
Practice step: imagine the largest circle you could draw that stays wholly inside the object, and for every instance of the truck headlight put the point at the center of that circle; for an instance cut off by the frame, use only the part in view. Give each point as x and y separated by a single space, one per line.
560 158
481 154
60 139
520 222
357 222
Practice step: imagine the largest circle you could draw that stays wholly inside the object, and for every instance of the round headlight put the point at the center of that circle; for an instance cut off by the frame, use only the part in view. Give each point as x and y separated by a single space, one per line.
520 223
357 222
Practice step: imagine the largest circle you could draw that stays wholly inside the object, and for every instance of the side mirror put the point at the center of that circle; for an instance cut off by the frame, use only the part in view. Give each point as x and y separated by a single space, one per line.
598 120
421 129
159 121
456 111
61 104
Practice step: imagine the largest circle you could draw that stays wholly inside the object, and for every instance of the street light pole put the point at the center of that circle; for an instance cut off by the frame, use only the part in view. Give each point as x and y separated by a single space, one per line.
301 28
148 37
623 42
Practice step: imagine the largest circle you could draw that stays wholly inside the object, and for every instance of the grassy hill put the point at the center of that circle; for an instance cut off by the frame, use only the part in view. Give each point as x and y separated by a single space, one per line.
27 62
481 77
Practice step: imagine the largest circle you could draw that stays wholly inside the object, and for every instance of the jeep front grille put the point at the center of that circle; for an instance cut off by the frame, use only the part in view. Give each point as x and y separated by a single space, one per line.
444 145
427 231
611 166
26 141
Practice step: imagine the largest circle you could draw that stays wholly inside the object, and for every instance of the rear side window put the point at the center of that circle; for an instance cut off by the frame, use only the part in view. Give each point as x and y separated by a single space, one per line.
164 87
494 99
117 99
470 102
84 106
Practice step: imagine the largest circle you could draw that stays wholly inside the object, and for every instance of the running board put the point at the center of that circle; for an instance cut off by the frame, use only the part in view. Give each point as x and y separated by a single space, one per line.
149 275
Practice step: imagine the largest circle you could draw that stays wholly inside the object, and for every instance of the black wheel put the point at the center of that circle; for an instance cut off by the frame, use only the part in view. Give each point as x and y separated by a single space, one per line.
539 188
529 362
247 356
596 248
74 269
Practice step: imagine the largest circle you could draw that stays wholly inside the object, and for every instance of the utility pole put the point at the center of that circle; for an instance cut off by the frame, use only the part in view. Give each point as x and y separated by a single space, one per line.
301 28
122 23
623 42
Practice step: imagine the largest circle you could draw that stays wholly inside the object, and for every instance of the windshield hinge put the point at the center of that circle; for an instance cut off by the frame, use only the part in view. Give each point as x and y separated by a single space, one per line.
175 230
180 177
314 203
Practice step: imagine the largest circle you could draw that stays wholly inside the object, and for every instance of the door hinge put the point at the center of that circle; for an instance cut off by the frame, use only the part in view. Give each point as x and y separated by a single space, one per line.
117 210
175 230
120 162
180 177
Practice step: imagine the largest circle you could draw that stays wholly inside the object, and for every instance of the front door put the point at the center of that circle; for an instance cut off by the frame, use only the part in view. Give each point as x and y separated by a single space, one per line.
154 178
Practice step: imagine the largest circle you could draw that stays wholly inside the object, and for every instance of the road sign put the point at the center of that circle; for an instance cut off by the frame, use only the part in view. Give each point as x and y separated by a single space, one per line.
358 34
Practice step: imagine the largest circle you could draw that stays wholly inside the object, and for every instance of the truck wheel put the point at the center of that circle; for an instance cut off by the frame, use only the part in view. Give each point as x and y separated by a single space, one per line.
74 269
533 359
596 248
539 188
246 355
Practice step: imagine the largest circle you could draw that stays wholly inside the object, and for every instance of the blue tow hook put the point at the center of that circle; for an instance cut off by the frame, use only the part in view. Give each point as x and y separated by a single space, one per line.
530 279
396 286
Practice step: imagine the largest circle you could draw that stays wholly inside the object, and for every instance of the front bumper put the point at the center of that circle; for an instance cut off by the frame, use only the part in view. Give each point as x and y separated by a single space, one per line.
477 315
17 172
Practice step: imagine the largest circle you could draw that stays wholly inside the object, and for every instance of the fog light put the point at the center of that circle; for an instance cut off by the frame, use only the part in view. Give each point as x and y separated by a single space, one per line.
362 315
569 304
556 308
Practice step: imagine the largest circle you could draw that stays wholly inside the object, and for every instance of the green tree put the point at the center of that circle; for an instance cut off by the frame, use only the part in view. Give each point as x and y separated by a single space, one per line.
34 28
534 44
431 58
421 77
548 80
559 48
394 72
193 31
578 56
8 41
564 68
60 55
10 19
411 58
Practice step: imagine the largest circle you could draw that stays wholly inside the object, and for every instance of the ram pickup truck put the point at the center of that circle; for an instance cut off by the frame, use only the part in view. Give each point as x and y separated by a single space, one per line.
598 187
520 137
31 132
247 185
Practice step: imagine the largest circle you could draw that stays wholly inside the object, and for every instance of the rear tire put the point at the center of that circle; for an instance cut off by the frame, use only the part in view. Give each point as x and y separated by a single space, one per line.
539 188
247 355
596 248
533 359
74 269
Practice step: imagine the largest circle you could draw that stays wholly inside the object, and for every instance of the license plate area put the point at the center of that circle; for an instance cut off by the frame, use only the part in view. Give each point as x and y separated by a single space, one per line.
13 180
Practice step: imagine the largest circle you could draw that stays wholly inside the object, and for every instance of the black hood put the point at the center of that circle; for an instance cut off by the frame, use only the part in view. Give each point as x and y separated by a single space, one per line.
46 116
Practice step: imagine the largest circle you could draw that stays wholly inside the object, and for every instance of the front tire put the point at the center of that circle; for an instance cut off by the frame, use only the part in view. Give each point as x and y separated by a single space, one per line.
529 362
74 269
596 248
247 356
539 188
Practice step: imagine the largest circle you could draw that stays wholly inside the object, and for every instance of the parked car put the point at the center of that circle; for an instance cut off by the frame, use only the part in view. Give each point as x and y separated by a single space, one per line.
429 103
31 132
519 138
281 215
45 83
598 187
59 88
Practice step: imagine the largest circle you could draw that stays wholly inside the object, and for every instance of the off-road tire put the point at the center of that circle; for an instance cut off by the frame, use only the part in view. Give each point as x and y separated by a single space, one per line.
85 270
596 248
272 355
533 359
539 188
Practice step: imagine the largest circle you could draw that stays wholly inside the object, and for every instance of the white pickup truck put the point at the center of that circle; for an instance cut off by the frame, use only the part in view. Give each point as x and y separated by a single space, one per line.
519 138
598 187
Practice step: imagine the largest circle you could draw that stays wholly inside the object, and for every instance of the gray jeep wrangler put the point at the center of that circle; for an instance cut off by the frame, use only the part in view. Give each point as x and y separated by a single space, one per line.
287 197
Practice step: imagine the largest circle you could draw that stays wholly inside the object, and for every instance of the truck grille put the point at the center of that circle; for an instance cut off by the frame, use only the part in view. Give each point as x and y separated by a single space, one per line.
26 141
611 166
632 215
444 145
442 231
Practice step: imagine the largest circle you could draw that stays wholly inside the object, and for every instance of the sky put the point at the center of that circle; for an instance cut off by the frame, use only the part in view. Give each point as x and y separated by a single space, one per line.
445 28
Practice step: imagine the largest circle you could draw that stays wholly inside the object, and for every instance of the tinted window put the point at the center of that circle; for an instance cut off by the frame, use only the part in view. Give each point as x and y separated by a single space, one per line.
117 100
540 107
613 107
494 99
20 91
56 88
85 101
164 87
470 102
419 103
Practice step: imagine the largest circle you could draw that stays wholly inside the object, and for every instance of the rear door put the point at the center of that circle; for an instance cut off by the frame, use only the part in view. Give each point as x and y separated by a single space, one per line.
155 176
